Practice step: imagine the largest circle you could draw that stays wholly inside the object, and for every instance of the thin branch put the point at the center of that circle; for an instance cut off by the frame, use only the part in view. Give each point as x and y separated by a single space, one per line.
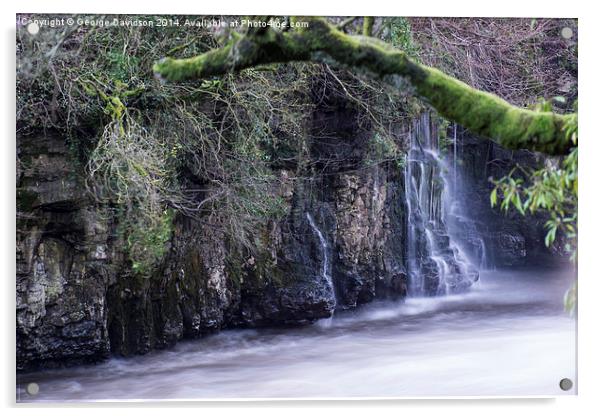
341 26
368 25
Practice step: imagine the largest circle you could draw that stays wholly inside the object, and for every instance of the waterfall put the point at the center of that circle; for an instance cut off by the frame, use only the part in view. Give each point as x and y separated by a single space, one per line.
437 264
414 277
483 264
325 256
465 228
455 157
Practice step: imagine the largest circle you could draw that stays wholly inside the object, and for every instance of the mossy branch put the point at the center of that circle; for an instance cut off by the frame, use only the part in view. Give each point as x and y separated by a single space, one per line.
481 112
368 26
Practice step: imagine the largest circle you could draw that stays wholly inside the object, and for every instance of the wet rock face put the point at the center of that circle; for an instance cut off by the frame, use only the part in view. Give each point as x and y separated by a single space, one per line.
511 248
189 296
508 239
77 299
357 205
62 253
368 247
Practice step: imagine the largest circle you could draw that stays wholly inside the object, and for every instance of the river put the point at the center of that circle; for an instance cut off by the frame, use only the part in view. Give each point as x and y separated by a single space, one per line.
507 336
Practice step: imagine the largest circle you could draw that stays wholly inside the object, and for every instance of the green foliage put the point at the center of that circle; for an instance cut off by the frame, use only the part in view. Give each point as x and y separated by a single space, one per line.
123 67
401 36
553 190
146 239
382 148
570 299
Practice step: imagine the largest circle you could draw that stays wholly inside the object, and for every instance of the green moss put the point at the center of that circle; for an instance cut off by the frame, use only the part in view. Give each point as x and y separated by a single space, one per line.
146 244
491 116
214 62
259 268
368 25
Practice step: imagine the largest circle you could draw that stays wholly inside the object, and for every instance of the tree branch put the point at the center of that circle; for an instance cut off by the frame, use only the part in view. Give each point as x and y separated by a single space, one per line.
368 25
480 112
341 26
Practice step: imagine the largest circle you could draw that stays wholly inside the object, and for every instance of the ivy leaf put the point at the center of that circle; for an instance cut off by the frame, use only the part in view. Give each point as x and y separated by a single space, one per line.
517 203
493 197
570 299
551 235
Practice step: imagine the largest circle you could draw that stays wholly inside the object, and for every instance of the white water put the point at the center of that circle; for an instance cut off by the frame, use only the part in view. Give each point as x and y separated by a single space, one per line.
430 198
326 274
507 336
449 214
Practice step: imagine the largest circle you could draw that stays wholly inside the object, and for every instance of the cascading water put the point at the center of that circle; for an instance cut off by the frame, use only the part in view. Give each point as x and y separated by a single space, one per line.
464 229
435 260
325 256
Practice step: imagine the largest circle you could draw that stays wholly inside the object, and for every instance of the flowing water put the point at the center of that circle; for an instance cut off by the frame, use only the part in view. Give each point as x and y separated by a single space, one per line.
326 273
437 262
508 335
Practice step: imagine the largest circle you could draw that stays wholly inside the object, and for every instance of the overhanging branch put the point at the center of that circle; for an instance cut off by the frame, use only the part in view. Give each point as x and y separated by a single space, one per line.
481 112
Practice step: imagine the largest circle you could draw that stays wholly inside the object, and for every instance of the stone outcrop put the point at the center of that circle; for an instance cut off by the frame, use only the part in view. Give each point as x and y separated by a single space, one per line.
63 260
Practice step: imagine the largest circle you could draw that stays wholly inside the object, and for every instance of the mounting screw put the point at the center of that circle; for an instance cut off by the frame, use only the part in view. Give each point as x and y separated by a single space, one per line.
32 389
33 28
566 384
566 32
